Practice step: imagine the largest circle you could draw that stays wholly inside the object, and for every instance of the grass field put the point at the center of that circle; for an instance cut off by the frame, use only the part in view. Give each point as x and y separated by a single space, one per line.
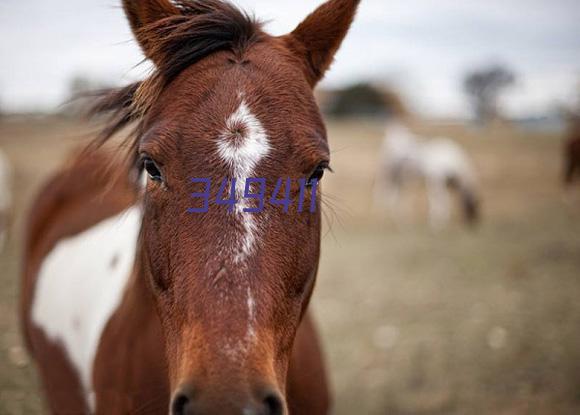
483 321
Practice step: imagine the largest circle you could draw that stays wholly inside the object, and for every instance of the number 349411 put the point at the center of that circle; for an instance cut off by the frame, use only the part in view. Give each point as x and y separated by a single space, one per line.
255 190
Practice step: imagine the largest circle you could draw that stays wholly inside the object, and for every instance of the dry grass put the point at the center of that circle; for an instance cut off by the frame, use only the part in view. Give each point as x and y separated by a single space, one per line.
414 322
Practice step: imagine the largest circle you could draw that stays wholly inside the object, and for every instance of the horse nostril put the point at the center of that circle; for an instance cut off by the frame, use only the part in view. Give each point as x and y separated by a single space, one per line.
273 404
181 404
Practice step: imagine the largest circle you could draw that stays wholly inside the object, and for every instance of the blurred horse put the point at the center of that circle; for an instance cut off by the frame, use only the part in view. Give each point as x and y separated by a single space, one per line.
440 162
5 197
572 153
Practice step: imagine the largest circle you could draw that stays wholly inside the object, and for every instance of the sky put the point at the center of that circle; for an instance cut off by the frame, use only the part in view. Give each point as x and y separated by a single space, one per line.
422 48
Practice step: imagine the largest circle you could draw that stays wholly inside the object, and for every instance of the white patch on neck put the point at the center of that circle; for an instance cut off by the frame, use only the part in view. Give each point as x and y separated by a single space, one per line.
243 155
80 285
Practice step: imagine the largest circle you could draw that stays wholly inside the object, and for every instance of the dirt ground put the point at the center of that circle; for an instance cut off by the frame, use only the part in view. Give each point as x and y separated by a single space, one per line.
483 321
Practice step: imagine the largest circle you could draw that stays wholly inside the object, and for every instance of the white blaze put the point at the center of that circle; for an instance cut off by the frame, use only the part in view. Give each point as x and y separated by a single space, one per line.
242 146
242 154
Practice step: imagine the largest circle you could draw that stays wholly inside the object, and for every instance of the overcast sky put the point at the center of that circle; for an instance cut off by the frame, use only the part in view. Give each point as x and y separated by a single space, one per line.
421 47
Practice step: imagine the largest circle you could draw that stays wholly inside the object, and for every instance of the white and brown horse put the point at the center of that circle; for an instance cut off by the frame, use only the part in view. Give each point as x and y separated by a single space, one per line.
130 304
440 162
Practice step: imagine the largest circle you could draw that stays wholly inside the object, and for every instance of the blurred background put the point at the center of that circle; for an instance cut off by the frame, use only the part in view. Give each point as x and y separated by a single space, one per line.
420 314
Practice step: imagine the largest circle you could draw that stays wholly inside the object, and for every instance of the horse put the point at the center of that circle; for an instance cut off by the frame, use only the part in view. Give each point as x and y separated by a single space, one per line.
5 197
135 301
572 153
440 162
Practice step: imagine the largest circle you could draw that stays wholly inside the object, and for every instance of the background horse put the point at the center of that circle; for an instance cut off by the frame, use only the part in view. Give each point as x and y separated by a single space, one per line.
440 162
131 304
572 152
5 197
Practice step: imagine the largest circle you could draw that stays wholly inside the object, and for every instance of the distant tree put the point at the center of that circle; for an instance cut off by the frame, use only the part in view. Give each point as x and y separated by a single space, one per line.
358 99
364 99
483 88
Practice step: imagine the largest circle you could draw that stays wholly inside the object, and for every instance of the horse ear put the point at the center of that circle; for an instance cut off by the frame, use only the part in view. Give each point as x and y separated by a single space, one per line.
317 39
142 14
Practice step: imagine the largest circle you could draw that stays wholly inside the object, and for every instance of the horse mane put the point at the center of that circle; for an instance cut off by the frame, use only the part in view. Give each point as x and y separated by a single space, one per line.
201 28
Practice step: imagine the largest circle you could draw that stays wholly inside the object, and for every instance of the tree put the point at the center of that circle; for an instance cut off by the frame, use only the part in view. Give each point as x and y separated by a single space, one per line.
483 88
366 99
356 100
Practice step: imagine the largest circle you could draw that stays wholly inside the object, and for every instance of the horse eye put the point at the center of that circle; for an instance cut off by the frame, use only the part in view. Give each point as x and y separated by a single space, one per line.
318 174
152 170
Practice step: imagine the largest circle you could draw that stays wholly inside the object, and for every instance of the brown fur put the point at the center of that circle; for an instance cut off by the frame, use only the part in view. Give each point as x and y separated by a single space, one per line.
186 301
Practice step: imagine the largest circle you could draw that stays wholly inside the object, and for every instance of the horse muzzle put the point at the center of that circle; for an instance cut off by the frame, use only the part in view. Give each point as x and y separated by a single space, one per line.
262 401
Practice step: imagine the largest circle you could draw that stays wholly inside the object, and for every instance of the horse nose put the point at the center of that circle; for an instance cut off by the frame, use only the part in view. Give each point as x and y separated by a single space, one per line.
183 401
182 404
265 402
272 402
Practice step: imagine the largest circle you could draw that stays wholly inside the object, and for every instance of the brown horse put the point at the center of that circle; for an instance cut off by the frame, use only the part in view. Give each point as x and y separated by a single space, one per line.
572 152
133 304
